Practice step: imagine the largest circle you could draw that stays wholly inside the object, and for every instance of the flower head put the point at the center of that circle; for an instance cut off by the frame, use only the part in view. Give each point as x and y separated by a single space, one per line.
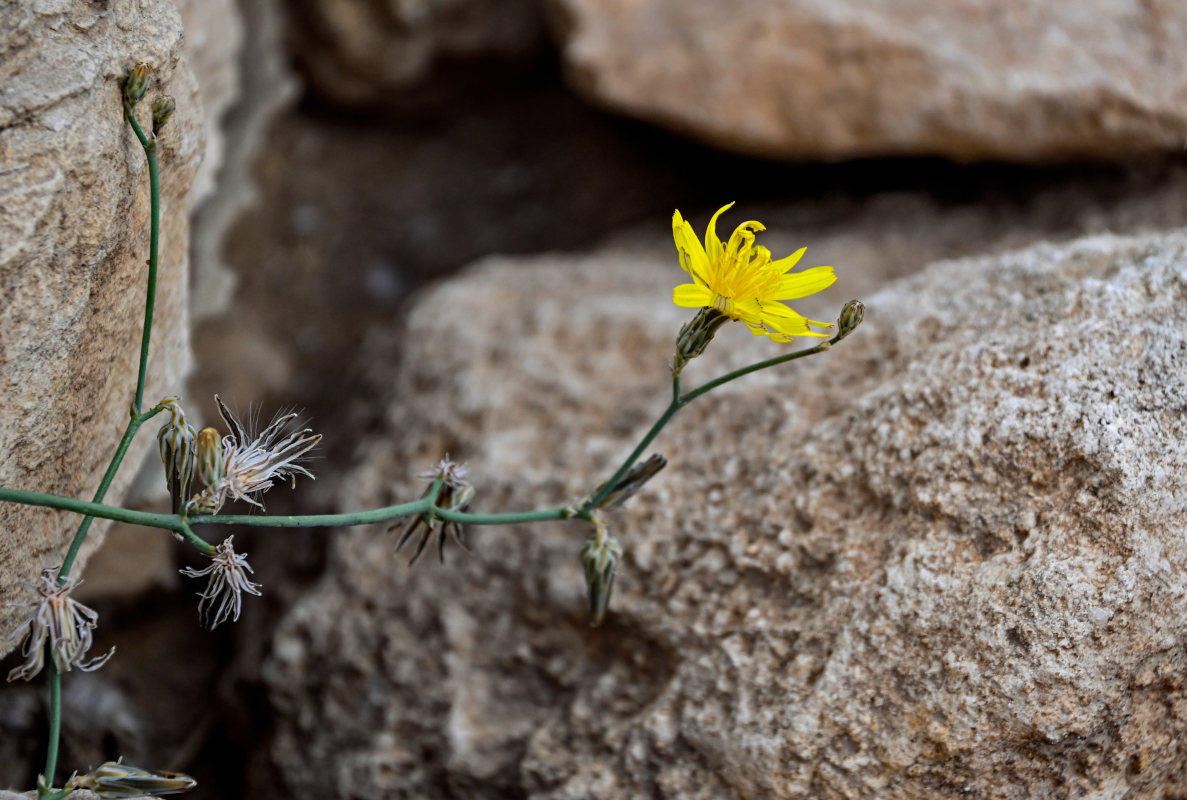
740 280
223 597
62 623
241 464
454 495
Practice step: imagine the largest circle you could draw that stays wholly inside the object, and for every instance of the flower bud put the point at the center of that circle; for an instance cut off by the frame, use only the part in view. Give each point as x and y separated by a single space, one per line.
632 482
695 336
600 556
116 779
137 84
162 109
176 443
852 313
209 449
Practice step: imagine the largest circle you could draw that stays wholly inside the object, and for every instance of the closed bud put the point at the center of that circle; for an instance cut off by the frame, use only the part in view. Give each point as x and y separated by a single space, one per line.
632 482
599 557
695 336
116 779
139 79
852 313
209 457
162 109
176 443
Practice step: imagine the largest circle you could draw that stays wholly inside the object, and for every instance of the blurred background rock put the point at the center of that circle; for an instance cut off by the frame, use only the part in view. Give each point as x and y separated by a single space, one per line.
358 150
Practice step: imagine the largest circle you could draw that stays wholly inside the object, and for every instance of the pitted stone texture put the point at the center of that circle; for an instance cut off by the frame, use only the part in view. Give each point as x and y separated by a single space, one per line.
945 557
361 52
1019 80
73 246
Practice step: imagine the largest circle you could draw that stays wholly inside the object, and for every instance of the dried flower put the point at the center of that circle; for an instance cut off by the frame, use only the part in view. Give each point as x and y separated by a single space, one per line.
223 597
243 464
61 623
741 281
633 481
176 443
455 494
117 779
599 557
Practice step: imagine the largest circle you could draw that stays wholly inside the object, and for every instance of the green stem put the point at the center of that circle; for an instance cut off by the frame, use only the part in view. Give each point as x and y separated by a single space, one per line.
181 525
154 239
679 401
609 485
138 419
55 720
770 362
81 534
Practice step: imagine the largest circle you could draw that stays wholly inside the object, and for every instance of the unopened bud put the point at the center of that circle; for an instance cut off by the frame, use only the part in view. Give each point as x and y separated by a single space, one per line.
116 779
209 450
632 482
162 109
176 443
852 313
695 336
600 556
137 85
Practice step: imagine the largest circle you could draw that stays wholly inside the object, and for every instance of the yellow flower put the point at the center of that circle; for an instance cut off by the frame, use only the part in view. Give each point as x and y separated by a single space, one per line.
741 281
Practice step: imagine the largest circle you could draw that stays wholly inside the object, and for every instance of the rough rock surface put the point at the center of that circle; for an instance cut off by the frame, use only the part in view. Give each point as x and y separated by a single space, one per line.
1019 80
358 52
73 245
944 558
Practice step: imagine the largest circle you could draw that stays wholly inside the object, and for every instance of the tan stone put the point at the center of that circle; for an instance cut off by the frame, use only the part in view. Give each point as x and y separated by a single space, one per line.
362 51
944 557
1018 80
73 246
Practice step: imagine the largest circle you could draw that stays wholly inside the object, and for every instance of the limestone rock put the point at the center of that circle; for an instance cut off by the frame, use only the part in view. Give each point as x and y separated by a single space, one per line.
358 52
73 245
945 557
1021 80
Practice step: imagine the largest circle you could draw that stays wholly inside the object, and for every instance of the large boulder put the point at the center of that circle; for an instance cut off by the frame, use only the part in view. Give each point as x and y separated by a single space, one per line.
1020 80
363 52
946 556
73 245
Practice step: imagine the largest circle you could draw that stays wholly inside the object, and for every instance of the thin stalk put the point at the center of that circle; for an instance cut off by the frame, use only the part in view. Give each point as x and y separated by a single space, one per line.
55 721
154 240
738 373
609 485
112 468
154 237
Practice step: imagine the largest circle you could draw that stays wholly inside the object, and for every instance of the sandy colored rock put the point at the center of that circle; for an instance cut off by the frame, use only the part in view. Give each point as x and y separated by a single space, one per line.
1022 80
946 556
358 52
73 246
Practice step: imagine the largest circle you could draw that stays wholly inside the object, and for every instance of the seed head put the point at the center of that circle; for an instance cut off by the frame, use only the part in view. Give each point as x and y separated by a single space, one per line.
60 624
454 495
222 599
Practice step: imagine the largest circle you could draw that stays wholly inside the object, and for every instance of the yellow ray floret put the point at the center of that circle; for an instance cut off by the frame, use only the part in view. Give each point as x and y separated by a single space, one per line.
740 280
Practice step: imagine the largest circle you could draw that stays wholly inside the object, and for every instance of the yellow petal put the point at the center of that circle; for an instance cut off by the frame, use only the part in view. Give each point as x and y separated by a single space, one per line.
688 247
802 284
712 243
692 295
790 261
